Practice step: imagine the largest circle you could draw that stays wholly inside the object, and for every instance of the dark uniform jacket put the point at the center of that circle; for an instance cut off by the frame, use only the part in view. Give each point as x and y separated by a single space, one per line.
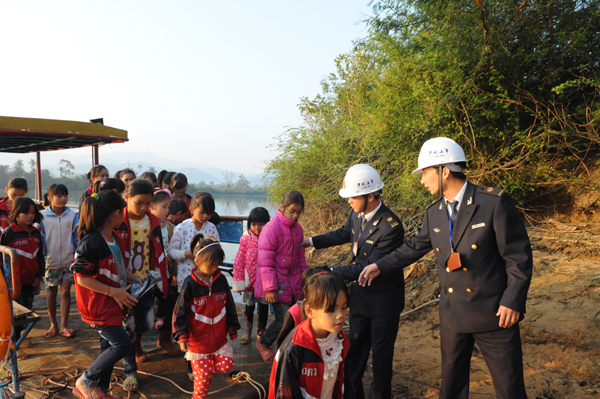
382 234
495 255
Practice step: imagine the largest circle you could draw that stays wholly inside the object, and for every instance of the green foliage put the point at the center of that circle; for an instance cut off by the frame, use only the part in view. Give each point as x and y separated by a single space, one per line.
513 82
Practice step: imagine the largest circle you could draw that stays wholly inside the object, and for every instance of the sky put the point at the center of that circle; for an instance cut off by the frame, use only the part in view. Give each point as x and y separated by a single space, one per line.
214 83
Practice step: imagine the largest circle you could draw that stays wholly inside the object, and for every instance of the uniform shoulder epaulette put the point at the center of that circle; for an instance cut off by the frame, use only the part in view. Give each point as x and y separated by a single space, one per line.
433 203
490 190
390 220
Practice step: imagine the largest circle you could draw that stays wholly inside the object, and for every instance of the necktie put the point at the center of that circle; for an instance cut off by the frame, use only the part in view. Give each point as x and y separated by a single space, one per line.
363 224
454 205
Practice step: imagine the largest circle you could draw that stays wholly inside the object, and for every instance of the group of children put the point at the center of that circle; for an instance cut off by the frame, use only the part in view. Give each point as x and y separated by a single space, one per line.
151 226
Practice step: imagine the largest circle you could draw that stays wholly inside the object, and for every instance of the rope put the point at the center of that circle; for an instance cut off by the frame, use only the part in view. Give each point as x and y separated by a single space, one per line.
241 377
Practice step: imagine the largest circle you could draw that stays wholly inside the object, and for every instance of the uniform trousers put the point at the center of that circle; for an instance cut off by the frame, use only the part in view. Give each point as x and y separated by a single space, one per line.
380 335
502 352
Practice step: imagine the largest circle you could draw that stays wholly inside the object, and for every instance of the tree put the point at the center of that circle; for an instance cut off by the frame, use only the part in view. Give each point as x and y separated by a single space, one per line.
32 165
228 177
515 83
242 184
152 169
17 168
66 168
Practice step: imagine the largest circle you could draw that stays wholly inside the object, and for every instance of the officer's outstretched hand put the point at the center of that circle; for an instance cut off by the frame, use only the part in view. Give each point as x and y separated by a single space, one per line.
368 274
508 317
305 243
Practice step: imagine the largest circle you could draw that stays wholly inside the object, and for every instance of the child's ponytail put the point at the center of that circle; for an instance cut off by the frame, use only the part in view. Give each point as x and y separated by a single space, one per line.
292 197
96 209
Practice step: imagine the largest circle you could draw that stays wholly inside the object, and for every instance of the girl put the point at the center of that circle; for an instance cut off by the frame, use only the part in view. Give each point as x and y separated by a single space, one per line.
127 176
27 240
101 277
281 263
166 182
161 201
141 232
16 188
151 177
59 241
97 173
159 179
318 345
201 207
179 184
244 271
205 295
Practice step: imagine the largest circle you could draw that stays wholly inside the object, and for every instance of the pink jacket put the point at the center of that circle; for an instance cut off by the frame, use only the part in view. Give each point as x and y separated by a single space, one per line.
246 262
281 260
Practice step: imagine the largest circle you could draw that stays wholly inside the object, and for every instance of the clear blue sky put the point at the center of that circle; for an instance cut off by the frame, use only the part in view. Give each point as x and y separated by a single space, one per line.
209 82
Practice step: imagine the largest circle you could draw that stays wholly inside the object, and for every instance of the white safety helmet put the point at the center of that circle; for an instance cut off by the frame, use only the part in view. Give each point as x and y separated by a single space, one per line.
361 179
441 151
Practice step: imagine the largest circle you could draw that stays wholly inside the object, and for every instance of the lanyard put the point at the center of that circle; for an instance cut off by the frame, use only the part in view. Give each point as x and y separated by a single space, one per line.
450 228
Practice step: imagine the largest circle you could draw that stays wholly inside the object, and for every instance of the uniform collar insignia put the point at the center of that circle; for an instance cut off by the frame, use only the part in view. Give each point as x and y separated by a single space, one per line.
437 230
470 201
441 205
375 222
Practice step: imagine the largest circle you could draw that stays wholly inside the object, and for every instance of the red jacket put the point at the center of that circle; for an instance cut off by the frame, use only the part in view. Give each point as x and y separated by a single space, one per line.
203 317
94 259
298 367
4 211
29 247
157 254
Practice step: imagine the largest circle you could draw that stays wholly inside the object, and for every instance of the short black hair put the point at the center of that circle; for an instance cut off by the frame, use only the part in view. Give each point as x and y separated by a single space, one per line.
149 176
57 189
18 183
204 199
126 171
311 271
114 184
177 205
212 255
22 205
258 215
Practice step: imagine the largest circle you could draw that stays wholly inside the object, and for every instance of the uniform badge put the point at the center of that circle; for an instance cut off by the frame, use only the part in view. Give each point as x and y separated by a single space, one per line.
353 231
470 201
476 226
437 230
394 224
375 222
369 242
490 189
389 219
441 205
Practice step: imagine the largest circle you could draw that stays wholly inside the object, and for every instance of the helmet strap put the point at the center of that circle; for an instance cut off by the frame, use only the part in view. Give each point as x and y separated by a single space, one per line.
440 170
366 197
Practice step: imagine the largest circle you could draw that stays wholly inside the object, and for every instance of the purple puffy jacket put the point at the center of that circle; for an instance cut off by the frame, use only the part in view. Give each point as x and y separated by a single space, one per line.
281 260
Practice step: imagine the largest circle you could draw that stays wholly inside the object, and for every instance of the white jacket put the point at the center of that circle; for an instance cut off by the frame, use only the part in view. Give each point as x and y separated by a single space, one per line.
59 237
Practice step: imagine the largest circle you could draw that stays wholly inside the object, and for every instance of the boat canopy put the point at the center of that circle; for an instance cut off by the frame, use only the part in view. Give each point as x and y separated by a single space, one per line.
23 135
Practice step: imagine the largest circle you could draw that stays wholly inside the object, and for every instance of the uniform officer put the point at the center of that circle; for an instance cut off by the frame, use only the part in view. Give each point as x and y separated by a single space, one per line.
485 264
374 232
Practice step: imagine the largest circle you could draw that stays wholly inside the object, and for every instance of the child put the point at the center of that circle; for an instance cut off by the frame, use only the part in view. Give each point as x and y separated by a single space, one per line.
59 240
205 295
159 179
159 207
201 207
281 263
26 239
294 316
166 182
101 277
115 185
317 344
16 188
177 211
97 173
244 272
141 232
127 176
151 177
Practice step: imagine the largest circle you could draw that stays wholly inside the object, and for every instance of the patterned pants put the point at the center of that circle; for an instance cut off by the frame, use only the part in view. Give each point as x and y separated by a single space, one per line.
203 372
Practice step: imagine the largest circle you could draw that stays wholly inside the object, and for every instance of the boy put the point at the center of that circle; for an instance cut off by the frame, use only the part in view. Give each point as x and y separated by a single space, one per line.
59 243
